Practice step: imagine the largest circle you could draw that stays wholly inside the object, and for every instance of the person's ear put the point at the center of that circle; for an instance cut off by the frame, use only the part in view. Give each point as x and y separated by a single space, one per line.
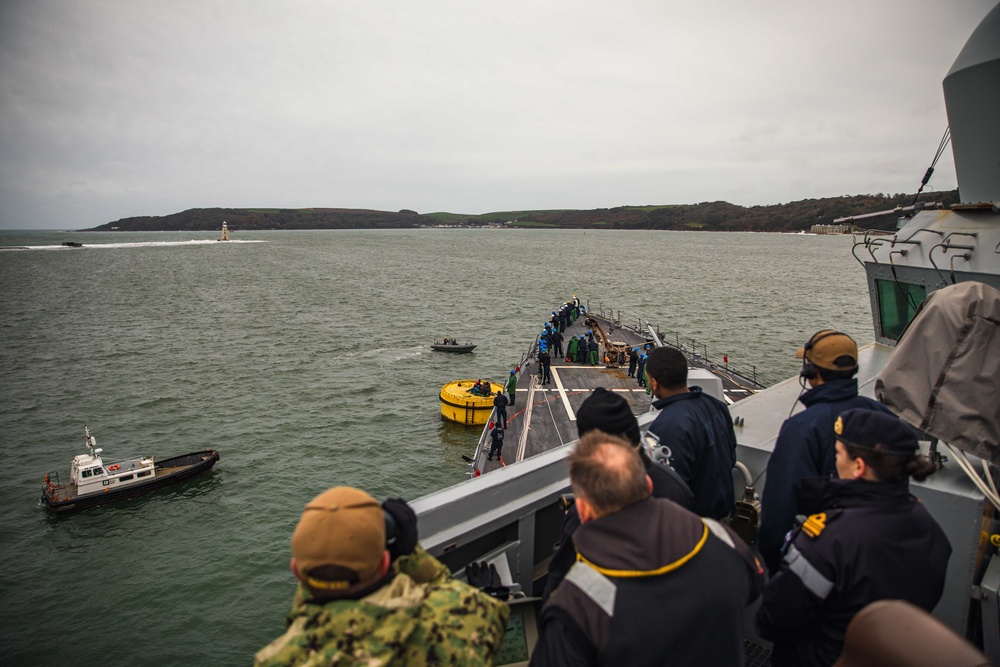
861 469
383 567
649 484
295 569
584 509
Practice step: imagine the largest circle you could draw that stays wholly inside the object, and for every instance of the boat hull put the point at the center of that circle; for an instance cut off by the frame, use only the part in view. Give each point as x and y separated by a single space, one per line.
459 349
169 471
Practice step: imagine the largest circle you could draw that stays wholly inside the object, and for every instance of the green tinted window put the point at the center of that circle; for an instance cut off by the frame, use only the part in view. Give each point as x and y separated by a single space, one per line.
897 303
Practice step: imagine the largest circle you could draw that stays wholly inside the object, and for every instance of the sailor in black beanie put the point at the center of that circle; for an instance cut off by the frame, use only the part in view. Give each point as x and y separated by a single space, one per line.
607 411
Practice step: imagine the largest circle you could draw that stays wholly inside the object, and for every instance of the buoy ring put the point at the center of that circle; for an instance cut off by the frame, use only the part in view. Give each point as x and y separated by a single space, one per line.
114 467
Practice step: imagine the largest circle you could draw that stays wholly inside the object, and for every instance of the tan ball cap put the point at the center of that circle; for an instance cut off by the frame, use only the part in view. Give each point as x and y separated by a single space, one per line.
339 541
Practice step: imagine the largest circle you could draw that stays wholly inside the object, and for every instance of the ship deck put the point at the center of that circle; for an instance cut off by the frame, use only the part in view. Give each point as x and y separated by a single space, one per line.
544 416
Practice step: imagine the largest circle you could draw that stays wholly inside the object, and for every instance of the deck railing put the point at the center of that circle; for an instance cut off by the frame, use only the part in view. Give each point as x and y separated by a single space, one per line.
688 345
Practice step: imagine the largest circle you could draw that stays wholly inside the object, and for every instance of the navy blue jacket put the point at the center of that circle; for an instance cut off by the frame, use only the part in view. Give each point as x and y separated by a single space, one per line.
805 448
872 541
699 432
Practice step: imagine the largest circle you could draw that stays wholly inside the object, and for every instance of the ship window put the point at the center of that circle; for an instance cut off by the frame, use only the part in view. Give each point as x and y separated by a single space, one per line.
125 478
98 471
143 474
897 304
88 472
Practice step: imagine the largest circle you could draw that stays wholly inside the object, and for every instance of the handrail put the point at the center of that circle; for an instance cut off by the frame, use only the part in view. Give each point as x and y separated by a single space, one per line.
690 346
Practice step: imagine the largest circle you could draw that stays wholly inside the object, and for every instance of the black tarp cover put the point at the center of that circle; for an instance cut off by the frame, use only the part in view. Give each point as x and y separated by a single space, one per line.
944 375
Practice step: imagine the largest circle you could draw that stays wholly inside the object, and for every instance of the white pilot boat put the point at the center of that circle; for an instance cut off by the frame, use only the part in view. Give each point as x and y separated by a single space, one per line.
92 482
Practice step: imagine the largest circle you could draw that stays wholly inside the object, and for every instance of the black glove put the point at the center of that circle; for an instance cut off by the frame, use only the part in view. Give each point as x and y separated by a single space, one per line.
401 527
486 578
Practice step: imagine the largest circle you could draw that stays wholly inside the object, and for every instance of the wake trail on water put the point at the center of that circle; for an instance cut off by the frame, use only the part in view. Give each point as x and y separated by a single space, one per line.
138 244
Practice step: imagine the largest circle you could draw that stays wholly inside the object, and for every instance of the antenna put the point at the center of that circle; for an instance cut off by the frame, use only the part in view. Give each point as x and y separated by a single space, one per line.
90 440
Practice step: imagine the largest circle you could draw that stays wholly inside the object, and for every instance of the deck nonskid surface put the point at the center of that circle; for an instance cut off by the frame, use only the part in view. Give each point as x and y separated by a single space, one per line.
544 416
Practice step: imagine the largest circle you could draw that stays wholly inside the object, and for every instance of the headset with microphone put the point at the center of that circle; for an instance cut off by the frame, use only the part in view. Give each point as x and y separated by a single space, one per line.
809 371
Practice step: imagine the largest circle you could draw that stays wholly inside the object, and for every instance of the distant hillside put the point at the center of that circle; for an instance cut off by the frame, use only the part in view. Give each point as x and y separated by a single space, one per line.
207 219
708 216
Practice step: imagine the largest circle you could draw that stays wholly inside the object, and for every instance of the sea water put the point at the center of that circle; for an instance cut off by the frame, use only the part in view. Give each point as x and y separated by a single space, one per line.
304 359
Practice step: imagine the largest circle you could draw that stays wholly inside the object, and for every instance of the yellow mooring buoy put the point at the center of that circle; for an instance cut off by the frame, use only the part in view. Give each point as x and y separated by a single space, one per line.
459 404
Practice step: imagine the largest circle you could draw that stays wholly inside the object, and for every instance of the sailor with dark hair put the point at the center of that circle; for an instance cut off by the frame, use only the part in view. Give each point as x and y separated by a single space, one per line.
500 405
698 430
496 438
653 583
545 365
633 359
805 444
867 539
557 340
609 412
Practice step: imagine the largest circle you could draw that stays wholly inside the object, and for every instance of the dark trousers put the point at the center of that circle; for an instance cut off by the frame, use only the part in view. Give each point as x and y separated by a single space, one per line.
502 417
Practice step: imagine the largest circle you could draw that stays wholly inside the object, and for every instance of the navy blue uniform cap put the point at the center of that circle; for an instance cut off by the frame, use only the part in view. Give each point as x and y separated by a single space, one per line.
867 429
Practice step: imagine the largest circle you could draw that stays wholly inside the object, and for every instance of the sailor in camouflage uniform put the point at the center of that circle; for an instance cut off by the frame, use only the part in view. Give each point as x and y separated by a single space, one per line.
363 601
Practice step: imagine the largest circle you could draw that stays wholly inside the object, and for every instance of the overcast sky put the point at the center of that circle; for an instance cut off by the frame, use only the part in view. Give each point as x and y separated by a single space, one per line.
135 107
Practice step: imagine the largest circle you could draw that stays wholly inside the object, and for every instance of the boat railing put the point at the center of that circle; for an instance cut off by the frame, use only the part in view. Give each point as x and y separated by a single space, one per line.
691 347
52 482
484 437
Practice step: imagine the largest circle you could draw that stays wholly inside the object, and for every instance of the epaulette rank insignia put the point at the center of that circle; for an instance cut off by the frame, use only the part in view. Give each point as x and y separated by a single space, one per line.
814 525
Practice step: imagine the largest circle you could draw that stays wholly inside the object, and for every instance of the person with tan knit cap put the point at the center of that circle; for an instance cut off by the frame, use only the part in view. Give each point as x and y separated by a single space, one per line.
370 595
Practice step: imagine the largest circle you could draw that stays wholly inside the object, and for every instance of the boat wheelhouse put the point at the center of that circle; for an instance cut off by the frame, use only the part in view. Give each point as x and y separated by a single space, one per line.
92 482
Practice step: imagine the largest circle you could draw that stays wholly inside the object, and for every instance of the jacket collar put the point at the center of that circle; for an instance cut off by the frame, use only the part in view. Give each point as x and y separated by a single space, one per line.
831 392
643 538
821 493
692 392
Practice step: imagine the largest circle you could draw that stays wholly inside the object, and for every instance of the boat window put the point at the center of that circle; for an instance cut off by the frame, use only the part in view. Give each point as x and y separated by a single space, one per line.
125 478
98 471
897 304
87 473
143 474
